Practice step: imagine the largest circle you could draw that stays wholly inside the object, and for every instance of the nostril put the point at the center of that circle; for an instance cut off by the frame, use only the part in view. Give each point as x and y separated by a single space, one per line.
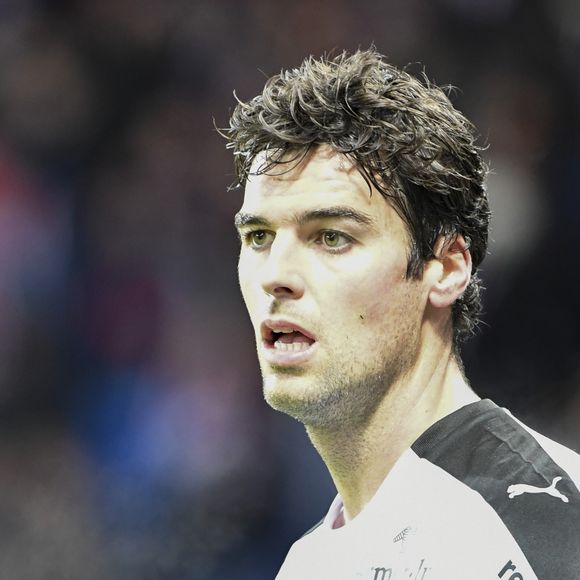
283 290
283 285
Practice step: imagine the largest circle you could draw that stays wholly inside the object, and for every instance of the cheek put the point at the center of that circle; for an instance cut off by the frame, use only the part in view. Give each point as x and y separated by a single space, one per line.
386 309
373 292
247 283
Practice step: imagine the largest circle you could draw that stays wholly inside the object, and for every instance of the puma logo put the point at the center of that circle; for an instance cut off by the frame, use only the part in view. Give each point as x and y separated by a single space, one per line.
519 488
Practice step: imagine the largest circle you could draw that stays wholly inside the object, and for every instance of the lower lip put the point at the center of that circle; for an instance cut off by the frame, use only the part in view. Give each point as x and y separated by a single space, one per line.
277 357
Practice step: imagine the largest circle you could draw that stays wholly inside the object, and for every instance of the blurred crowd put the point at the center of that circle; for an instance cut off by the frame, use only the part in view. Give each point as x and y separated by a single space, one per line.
134 443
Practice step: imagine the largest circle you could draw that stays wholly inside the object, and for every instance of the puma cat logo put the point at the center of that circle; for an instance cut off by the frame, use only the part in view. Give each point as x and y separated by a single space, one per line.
519 488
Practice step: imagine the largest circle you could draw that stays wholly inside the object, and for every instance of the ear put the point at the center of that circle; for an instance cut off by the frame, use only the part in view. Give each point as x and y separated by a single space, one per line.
451 271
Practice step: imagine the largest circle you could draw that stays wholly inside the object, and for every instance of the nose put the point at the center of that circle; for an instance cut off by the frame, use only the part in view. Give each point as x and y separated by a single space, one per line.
281 273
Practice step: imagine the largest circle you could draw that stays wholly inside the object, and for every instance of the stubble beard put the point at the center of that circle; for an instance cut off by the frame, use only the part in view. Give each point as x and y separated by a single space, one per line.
344 398
345 394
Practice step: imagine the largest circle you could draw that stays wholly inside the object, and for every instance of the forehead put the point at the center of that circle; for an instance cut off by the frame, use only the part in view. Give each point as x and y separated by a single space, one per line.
323 178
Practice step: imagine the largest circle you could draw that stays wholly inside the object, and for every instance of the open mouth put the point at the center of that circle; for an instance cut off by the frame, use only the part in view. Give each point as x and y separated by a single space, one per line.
286 337
290 341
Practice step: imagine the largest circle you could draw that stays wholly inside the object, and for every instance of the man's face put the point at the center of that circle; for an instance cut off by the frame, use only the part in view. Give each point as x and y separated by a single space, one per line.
322 272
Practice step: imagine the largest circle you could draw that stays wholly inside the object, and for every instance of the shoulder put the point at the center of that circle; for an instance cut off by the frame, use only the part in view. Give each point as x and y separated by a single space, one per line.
483 439
530 481
314 527
566 458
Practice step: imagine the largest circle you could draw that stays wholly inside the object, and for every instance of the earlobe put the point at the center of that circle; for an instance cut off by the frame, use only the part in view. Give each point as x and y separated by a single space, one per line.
453 271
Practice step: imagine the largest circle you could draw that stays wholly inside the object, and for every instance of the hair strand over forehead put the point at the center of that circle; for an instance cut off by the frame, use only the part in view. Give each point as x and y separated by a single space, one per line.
404 136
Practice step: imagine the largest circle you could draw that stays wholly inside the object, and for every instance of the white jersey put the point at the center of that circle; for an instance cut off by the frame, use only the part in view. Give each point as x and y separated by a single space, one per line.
478 496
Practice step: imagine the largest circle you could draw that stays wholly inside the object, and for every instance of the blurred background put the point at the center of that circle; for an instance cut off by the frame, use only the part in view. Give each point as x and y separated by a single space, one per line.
134 443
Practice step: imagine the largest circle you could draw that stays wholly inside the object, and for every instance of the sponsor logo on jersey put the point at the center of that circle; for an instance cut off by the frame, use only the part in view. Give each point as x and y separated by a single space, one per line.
387 573
510 567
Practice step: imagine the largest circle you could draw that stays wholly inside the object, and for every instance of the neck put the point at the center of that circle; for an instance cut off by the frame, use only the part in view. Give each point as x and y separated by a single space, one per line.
359 457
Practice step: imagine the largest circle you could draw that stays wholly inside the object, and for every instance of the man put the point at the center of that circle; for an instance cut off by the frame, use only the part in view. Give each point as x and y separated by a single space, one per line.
363 225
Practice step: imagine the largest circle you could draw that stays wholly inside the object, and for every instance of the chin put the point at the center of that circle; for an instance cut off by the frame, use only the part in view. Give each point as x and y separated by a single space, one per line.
288 386
311 409
285 394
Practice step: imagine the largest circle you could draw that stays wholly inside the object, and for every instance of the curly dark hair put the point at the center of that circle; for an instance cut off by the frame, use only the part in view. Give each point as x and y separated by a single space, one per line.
404 136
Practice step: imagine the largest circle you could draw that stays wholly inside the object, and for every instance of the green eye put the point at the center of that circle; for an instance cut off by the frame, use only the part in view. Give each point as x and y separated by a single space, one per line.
259 238
331 239
334 241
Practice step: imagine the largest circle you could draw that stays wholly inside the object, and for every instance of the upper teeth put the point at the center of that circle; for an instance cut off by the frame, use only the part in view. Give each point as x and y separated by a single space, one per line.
283 330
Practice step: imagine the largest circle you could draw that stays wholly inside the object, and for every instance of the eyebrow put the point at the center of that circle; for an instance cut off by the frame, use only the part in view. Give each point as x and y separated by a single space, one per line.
336 212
